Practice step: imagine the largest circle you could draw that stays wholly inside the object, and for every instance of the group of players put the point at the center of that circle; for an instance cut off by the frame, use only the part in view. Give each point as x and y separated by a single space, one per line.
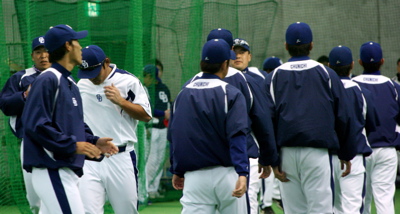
67 167
330 139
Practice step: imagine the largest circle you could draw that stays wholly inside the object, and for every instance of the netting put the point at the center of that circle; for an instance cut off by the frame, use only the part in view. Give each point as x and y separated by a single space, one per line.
135 33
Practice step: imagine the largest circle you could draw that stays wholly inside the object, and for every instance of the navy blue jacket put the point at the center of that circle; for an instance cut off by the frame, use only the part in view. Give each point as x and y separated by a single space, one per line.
365 119
12 101
387 103
310 107
207 127
53 122
262 144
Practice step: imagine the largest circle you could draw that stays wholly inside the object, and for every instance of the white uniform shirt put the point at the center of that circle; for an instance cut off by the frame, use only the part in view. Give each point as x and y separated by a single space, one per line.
107 119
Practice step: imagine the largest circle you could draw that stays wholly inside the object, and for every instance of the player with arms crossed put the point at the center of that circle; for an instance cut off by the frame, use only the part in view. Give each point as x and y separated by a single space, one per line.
381 165
350 190
311 118
56 139
120 98
12 102
207 133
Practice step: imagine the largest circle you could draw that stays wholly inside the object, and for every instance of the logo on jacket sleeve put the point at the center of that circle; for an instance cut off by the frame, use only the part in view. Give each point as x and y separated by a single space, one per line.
74 101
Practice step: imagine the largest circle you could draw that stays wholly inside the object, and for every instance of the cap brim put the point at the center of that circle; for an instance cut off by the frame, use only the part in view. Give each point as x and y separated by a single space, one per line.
233 55
40 45
82 74
81 34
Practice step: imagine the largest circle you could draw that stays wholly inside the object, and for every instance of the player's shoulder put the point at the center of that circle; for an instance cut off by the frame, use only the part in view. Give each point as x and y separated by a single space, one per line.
372 79
118 74
201 83
347 83
49 74
233 72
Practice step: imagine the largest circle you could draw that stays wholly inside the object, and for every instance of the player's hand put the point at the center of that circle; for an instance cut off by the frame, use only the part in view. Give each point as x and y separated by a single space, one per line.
26 93
264 170
88 149
106 146
112 93
241 187
167 114
348 167
177 182
279 174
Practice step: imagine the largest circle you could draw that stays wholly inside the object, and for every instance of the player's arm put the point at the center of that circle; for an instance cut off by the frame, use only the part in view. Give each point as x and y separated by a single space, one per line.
397 88
261 124
38 121
372 119
12 99
236 129
136 111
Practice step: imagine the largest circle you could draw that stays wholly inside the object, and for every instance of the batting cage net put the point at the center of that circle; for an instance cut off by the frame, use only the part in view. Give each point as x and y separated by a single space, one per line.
135 33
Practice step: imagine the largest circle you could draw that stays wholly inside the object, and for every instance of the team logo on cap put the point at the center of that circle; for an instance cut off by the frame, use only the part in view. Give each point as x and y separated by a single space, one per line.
372 59
41 39
240 42
85 64
298 41
338 62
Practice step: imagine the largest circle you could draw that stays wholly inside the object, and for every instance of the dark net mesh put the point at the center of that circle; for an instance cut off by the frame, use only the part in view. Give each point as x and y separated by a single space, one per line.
135 33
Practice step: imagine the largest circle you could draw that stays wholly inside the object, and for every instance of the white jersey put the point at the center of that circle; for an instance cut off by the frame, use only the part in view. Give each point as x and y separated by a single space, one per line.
107 119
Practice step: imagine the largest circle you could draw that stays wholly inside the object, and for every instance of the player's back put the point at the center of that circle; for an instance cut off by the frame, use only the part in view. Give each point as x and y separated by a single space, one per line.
306 97
205 113
387 104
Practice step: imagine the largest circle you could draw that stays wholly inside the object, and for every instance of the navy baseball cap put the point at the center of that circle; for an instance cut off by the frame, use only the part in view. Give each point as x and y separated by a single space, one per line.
58 35
298 33
152 70
221 33
242 43
370 52
340 56
217 51
271 63
37 42
92 60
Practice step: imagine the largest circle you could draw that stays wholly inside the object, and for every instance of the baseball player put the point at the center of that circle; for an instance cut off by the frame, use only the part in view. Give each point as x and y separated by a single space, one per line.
160 96
207 135
12 102
270 186
271 63
311 117
396 78
243 57
350 190
255 78
120 98
381 165
56 139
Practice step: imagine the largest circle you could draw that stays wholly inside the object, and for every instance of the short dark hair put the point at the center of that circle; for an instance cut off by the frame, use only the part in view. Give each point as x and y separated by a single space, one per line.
398 61
322 59
159 63
211 67
58 54
299 50
343 70
371 67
